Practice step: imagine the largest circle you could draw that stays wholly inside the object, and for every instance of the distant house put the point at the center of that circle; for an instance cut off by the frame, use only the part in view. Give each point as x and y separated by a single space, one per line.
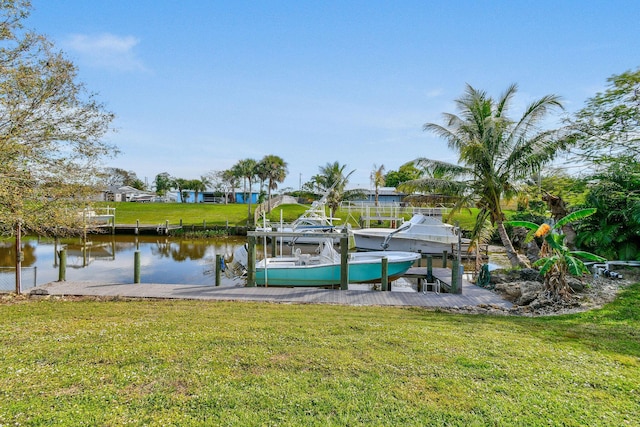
126 193
386 195
214 197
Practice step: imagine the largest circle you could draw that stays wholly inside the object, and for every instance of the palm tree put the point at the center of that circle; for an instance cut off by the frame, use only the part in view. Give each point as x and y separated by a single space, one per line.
333 180
200 185
275 171
378 178
247 170
181 185
495 153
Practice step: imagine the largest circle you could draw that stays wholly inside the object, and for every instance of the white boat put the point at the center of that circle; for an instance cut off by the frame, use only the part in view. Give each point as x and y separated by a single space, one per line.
324 268
422 233
314 220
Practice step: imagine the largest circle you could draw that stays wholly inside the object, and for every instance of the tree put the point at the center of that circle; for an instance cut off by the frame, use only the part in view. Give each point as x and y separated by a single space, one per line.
274 171
614 230
378 179
181 184
51 132
199 186
406 172
246 169
333 181
163 183
120 177
607 129
495 153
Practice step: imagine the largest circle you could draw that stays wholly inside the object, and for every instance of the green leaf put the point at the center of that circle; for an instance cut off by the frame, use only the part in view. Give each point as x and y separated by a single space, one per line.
588 256
575 266
574 216
527 224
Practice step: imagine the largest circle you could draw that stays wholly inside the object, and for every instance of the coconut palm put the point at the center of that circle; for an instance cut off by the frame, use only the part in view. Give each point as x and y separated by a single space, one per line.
495 153
246 169
377 178
274 170
332 179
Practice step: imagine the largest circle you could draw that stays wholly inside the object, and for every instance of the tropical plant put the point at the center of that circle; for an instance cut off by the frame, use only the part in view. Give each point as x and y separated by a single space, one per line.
333 181
246 169
614 231
274 171
378 179
495 153
556 260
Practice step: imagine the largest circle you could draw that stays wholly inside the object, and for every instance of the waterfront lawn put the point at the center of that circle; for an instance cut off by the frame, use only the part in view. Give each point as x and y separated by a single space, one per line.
189 213
234 213
146 362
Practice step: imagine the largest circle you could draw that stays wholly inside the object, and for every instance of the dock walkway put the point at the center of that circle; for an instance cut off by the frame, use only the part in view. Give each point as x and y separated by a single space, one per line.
472 296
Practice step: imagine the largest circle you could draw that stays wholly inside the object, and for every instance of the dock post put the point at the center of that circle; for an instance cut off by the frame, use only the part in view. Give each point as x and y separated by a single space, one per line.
251 261
137 226
385 274
166 227
455 277
344 263
445 255
218 269
429 269
136 267
62 270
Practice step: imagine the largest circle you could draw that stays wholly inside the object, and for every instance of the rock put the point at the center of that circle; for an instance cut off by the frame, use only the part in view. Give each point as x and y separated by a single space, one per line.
529 291
575 284
509 290
39 291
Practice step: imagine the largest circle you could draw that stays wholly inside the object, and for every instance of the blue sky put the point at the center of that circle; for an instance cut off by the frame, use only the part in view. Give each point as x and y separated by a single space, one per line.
198 85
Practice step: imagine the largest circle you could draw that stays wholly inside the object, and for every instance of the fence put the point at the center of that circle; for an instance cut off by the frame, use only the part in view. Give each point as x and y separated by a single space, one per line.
29 276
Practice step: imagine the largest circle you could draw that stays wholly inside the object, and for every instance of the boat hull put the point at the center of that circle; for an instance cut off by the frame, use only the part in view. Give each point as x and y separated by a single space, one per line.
363 268
373 240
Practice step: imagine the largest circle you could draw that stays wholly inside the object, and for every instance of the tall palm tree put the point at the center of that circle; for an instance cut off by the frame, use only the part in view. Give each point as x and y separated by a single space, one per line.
378 178
495 153
246 169
274 169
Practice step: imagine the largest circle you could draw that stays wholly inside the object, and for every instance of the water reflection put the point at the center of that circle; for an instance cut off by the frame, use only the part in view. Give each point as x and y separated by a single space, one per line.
108 258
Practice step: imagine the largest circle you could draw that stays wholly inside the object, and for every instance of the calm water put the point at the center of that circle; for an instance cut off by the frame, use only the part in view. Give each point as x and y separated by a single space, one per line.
108 258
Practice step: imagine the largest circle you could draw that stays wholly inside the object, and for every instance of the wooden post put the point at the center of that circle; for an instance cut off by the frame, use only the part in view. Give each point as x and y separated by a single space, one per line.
385 274
445 255
344 263
218 269
166 227
62 270
136 267
455 276
137 226
251 261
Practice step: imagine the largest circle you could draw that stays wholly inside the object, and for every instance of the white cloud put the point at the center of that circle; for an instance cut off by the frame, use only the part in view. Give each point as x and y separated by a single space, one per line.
106 51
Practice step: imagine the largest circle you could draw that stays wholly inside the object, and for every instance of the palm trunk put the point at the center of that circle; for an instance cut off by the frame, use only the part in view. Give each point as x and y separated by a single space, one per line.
515 259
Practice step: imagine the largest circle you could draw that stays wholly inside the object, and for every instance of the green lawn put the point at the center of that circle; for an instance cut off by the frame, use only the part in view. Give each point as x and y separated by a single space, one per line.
229 363
219 214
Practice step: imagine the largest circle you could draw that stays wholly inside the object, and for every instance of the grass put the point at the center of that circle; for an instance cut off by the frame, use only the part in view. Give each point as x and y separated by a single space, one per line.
187 363
219 214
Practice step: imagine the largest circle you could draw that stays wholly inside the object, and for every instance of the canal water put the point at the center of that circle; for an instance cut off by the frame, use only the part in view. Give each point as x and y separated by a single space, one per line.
110 258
